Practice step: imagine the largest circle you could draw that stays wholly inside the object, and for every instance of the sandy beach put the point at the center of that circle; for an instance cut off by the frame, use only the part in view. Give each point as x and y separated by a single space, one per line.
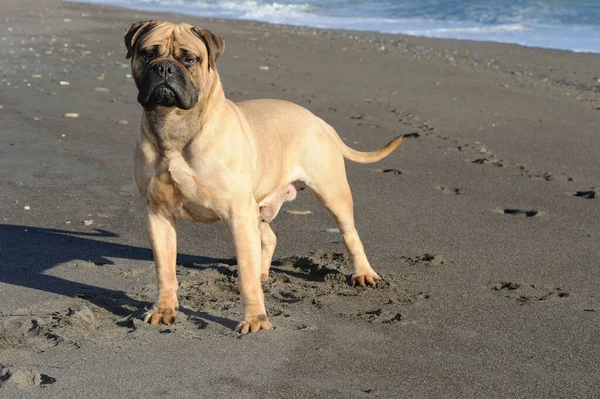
484 224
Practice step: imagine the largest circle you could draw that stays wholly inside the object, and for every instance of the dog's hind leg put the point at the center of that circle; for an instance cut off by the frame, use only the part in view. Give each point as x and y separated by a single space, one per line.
333 191
268 241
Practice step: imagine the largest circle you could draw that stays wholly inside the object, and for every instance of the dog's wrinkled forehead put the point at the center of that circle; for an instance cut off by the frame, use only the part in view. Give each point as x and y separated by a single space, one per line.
169 38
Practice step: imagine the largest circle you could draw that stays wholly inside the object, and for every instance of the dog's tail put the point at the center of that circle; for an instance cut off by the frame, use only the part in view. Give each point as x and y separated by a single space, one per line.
365 157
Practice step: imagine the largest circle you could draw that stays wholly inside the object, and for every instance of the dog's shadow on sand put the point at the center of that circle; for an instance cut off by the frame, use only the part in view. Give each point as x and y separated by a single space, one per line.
26 253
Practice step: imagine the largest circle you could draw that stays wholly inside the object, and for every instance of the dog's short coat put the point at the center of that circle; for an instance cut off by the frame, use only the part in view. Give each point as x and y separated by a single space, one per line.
201 157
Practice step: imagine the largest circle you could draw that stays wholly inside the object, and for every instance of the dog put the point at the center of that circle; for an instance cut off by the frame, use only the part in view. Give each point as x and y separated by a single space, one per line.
201 157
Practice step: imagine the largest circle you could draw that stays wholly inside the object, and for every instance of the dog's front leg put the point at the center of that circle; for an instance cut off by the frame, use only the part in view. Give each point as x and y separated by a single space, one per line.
246 237
163 238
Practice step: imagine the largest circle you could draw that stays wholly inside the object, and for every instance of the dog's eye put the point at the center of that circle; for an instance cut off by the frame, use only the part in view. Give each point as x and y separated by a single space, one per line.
148 55
189 61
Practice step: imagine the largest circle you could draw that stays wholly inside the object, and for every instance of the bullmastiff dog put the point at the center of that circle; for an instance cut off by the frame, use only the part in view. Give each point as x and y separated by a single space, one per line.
204 158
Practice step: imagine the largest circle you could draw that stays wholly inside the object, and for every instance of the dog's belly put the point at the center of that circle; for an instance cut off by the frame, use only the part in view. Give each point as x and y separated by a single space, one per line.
198 213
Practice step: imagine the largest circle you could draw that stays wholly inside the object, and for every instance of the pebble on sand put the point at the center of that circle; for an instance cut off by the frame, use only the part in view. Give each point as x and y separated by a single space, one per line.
71 115
88 222
64 83
123 122
26 207
101 89
263 68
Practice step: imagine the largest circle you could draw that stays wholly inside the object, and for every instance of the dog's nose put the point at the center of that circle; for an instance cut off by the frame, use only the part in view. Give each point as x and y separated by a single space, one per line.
165 69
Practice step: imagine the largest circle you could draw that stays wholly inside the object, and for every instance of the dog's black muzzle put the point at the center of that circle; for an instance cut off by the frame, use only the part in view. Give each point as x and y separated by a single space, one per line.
164 83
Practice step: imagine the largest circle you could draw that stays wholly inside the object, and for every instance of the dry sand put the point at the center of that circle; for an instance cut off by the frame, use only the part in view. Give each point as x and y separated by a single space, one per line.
484 224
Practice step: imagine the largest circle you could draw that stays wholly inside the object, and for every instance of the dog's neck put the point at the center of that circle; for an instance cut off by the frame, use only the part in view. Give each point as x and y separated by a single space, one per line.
171 128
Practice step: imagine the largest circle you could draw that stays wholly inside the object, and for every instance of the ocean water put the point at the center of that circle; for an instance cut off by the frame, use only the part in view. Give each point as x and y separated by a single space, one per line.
561 24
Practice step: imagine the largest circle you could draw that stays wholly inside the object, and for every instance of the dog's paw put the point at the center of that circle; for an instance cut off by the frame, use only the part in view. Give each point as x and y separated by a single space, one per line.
254 324
157 315
362 280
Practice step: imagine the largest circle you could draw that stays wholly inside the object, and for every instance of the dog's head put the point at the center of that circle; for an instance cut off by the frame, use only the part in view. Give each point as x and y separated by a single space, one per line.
171 63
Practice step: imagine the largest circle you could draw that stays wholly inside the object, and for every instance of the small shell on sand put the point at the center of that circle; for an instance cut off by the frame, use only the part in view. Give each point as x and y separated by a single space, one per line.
263 68
64 83
297 212
71 115
88 222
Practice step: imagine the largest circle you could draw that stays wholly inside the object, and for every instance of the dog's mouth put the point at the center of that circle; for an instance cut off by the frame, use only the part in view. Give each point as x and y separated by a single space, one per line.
166 95
163 95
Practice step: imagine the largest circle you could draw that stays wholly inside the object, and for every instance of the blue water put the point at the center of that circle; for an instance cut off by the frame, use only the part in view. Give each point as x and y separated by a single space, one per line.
560 24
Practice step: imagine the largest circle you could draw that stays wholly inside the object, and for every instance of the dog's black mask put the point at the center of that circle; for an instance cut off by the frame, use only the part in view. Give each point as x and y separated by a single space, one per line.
165 84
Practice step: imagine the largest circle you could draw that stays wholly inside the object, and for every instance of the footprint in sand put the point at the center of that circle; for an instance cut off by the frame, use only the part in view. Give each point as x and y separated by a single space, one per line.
526 293
545 176
380 316
390 171
325 274
23 378
482 161
450 190
587 194
520 212
63 324
424 260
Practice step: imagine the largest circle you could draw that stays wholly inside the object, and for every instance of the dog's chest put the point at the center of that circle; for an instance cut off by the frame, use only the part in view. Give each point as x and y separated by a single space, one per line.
178 189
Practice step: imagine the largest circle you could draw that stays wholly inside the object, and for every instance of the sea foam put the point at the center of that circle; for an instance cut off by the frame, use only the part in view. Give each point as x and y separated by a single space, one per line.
552 23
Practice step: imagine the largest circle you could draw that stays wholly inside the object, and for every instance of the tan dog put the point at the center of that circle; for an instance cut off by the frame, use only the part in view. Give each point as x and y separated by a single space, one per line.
201 157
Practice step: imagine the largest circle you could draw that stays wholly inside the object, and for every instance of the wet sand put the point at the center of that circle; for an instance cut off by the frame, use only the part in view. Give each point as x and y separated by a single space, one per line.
484 224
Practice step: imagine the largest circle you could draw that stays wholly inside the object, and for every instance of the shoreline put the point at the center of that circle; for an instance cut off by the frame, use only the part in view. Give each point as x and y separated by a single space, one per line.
558 71
313 23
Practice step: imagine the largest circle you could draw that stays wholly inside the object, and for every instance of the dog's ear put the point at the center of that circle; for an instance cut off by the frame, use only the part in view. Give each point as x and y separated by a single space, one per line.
134 31
214 44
